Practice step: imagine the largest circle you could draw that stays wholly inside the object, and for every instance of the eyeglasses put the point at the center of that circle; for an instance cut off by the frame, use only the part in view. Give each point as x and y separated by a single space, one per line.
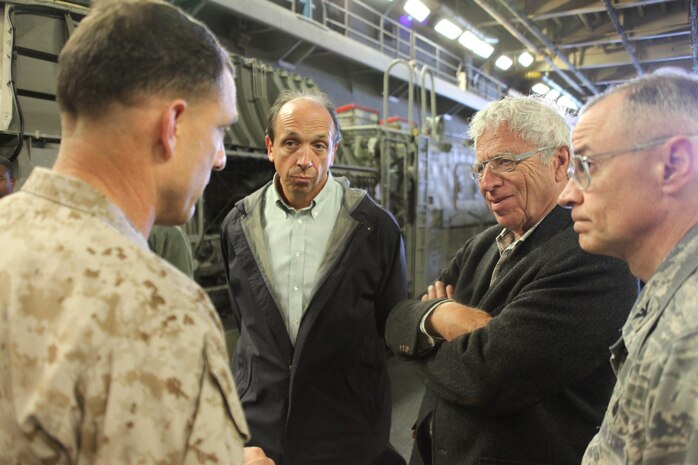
503 163
579 168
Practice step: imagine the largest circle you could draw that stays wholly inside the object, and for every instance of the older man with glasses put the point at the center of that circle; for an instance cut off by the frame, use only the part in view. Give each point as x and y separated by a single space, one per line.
639 202
512 339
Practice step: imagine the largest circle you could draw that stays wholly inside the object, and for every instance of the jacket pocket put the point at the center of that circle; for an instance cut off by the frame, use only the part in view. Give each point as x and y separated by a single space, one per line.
242 375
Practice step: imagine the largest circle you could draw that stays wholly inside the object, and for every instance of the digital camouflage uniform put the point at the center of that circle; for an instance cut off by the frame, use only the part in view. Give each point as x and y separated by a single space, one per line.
107 354
651 419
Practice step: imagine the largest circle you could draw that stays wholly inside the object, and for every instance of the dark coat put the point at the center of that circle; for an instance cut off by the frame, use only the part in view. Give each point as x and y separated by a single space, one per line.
532 386
326 400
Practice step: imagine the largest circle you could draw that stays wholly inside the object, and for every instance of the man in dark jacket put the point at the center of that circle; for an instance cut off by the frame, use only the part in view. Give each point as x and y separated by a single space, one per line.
314 268
512 339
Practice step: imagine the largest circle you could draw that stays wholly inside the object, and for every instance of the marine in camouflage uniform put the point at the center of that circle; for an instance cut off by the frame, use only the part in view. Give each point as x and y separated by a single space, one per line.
651 419
107 354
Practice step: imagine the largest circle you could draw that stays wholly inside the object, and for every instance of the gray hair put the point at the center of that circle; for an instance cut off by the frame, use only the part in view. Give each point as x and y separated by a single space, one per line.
316 96
653 103
537 121
7 164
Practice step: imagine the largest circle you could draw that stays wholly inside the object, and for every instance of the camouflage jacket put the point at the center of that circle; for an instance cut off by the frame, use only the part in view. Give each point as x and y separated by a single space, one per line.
652 418
107 353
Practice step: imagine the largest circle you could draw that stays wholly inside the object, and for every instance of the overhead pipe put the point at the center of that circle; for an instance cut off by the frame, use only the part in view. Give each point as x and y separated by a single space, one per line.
527 43
548 43
623 36
589 10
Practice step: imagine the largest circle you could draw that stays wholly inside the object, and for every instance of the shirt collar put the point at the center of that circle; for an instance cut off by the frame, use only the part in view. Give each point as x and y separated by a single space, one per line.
79 195
320 199
507 239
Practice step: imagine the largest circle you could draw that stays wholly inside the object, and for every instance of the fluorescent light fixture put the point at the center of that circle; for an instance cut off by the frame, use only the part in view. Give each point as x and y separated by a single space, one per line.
567 102
475 45
503 62
540 88
448 29
552 94
417 10
525 59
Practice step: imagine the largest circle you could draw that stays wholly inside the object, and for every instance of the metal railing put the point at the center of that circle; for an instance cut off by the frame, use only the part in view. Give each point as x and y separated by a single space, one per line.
362 23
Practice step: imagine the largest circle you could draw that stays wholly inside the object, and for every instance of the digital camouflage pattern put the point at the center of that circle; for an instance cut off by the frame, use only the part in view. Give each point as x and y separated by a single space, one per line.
107 353
651 418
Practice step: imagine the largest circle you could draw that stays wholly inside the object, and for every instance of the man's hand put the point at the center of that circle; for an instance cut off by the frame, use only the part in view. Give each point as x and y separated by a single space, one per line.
438 291
450 319
255 456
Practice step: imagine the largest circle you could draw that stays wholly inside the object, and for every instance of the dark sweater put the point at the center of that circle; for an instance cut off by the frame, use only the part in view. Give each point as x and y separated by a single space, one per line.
532 386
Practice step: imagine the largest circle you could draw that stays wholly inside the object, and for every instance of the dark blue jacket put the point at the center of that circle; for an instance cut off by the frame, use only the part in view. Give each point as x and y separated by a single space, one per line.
326 400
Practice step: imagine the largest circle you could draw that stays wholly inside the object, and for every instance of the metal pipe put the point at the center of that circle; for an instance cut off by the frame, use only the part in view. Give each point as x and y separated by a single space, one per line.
527 43
548 43
623 36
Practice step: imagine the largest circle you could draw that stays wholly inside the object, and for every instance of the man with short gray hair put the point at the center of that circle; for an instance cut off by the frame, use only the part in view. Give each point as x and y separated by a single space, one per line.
511 340
634 195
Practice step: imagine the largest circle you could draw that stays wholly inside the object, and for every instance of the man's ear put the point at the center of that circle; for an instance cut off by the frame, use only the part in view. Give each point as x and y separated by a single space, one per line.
561 162
680 164
169 122
270 145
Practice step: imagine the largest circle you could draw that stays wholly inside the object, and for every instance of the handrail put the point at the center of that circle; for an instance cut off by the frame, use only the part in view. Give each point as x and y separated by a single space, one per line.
356 20
410 90
431 128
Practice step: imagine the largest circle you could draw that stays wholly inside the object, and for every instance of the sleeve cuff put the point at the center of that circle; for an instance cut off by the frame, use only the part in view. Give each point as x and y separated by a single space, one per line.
431 340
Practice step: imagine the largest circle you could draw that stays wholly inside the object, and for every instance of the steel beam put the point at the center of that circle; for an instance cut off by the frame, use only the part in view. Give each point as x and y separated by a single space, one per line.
484 4
549 44
584 11
621 32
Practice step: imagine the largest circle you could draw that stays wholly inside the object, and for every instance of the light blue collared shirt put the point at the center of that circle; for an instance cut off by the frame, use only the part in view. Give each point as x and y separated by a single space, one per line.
296 241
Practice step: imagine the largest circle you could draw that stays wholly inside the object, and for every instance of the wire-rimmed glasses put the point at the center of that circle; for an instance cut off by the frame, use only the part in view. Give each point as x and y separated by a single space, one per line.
579 167
503 163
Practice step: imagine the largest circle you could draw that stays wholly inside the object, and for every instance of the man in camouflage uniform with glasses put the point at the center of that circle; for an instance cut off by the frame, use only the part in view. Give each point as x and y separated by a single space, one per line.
639 202
512 339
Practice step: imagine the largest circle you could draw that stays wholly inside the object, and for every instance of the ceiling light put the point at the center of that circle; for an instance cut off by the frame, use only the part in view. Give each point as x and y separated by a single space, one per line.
474 44
552 94
567 102
448 29
525 59
503 62
540 88
417 10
